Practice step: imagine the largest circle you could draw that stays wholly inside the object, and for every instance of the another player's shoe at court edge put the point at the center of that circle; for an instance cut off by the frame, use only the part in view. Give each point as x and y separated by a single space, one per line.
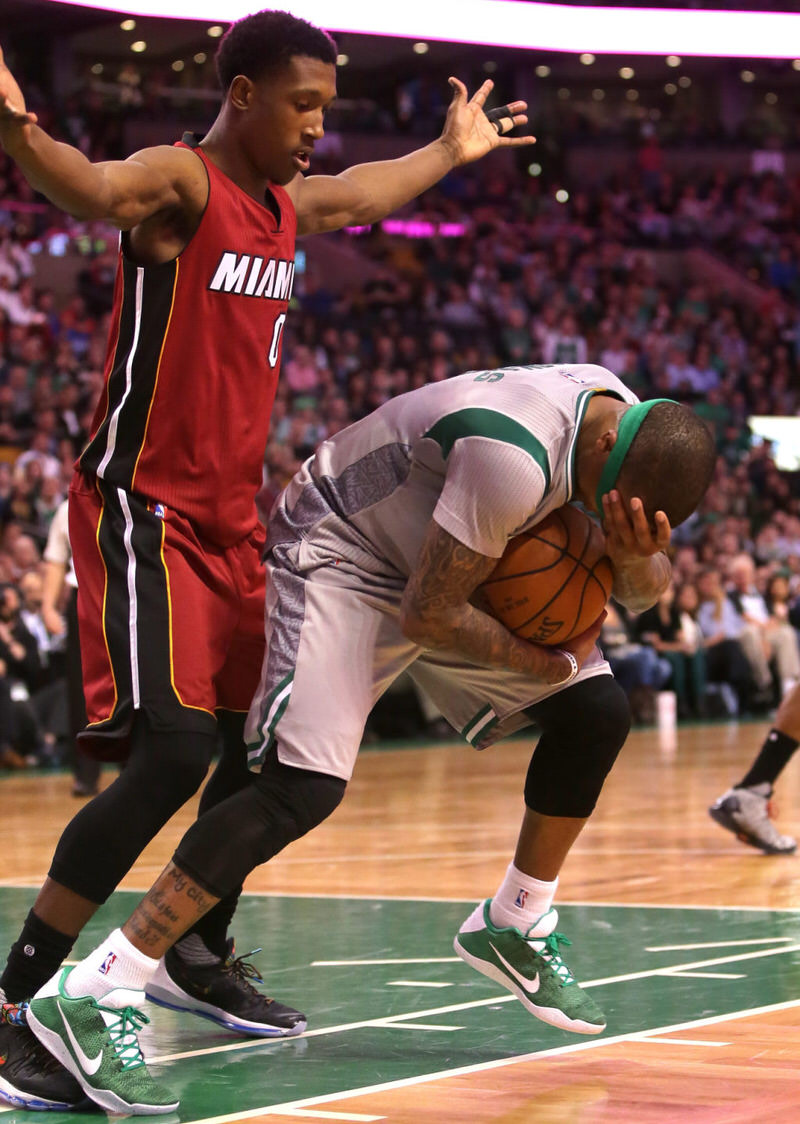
30 1077
530 965
190 978
97 1043
746 812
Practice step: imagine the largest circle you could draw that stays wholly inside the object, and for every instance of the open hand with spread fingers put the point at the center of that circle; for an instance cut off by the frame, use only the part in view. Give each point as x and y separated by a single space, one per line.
470 133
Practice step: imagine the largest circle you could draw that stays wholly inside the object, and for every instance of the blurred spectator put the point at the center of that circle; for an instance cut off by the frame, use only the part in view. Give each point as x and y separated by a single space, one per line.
40 450
766 638
48 695
722 628
59 612
300 372
639 669
566 344
671 628
19 304
21 671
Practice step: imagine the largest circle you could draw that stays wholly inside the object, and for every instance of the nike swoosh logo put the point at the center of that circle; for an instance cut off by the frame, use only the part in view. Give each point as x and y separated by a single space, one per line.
89 1065
530 985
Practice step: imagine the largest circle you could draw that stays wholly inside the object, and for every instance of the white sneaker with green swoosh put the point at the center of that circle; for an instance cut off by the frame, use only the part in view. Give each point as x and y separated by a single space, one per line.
530 966
97 1042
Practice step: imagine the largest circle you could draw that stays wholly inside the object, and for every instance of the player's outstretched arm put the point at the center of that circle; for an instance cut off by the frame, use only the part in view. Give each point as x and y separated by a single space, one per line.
367 193
642 570
436 613
123 192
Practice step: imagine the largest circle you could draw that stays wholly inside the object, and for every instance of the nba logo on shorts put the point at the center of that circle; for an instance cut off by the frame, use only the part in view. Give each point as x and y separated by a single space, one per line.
520 899
158 510
105 967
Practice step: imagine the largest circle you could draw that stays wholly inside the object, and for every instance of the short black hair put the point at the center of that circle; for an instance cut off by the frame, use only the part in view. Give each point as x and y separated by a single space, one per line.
264 42
670 463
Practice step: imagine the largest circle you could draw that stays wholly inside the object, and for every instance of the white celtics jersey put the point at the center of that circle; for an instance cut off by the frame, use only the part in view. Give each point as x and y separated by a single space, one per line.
486 454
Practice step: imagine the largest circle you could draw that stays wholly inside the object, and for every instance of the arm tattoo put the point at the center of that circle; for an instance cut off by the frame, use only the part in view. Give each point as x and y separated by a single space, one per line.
437 604
639 585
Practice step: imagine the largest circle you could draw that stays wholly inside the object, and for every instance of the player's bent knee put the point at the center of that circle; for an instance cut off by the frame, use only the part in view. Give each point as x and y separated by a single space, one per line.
280 806
308 797
600 706
584 729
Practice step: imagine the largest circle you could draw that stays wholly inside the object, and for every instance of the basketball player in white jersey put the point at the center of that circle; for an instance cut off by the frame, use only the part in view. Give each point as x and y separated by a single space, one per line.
375 553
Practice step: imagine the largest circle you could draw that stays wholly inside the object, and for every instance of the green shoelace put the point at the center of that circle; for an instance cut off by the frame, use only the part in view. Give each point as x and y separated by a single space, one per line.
123 1035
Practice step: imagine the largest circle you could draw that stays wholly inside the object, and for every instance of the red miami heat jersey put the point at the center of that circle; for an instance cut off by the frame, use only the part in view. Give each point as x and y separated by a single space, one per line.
192 364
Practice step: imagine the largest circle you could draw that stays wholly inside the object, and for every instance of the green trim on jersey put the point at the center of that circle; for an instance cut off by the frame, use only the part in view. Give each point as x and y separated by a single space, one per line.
581 403
477 422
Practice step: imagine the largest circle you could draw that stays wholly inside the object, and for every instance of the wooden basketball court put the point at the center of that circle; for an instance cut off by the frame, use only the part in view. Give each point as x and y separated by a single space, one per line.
689 940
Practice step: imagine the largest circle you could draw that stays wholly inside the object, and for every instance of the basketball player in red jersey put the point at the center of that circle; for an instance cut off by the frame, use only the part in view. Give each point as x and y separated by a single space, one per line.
162 509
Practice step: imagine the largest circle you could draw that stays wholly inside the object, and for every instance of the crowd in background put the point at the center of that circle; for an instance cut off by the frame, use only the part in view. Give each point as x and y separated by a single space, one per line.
685 107
506 272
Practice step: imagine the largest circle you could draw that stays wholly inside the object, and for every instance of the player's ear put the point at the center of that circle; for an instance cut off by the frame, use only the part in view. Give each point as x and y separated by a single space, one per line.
240 91
606 441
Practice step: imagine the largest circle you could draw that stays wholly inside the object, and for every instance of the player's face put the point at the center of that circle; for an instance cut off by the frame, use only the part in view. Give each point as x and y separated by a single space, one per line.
288 115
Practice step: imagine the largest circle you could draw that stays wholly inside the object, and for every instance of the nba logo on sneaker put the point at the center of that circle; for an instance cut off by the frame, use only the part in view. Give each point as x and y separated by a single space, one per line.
105 967
520 899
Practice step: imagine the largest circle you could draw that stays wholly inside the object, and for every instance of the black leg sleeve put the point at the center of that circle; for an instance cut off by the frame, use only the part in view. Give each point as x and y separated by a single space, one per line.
102 842
255 823
583 729
230 775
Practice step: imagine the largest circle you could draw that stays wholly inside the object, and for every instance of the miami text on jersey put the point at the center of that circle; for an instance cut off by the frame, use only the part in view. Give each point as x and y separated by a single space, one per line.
250 276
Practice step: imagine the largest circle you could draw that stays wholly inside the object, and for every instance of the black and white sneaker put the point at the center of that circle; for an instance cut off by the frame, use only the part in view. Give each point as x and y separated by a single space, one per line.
30 1077
221 990
746 812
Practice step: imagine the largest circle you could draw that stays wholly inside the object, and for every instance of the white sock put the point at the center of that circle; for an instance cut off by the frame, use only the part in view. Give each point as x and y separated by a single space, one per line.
521 900
114 965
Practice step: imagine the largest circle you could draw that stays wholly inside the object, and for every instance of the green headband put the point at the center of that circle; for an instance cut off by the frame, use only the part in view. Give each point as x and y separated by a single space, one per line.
629 425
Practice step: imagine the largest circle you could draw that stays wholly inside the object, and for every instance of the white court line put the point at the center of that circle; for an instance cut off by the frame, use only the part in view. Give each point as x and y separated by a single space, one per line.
559 1051
710 975
390 1020
717 944
683 1041
735 958
372 963
455 959
425 1026
417 983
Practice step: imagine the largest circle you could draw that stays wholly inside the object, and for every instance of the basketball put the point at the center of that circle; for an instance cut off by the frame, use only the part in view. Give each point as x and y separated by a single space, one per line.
553 581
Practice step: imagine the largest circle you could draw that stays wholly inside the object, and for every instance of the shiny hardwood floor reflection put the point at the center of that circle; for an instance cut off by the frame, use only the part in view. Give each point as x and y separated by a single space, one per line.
440 822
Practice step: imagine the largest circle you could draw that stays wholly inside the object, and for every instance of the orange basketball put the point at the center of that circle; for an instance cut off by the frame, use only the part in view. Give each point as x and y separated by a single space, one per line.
553 581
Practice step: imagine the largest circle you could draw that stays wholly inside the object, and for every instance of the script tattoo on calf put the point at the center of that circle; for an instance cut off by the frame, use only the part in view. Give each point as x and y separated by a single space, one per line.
160 916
